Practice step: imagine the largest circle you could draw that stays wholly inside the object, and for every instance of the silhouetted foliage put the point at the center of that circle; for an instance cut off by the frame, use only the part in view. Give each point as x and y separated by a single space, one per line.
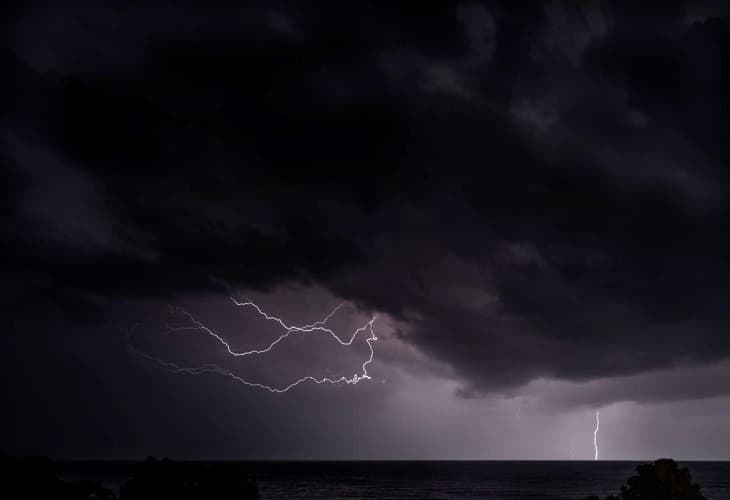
33 478
165 479
37 478
662 480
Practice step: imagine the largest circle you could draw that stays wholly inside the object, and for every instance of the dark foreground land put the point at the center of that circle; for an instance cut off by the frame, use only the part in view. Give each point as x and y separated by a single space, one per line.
662 480
37 478
164 479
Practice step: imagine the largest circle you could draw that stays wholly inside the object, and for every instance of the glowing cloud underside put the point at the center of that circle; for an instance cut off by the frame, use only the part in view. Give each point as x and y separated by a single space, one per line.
317 327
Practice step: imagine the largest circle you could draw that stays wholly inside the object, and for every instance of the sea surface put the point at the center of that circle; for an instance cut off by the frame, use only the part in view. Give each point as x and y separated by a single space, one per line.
432 479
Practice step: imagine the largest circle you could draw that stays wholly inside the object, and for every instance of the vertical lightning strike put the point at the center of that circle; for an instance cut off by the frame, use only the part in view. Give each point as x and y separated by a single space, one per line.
595 435
317 327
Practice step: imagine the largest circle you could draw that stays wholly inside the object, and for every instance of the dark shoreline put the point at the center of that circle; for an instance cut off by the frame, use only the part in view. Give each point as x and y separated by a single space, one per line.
515 479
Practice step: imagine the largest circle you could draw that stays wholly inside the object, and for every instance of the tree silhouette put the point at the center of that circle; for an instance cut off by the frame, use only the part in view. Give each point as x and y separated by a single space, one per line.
37 477
662 480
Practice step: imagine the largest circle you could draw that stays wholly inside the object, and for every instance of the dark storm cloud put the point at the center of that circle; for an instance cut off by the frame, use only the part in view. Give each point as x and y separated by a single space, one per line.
534 192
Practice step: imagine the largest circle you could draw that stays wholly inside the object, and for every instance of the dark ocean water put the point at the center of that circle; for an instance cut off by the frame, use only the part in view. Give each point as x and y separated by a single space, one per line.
433 479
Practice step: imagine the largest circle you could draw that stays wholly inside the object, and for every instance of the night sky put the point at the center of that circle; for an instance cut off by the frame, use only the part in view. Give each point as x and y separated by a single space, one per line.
533 200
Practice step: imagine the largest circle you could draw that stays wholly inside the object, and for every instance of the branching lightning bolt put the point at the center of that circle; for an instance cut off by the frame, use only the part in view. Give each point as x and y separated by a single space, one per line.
316 327
595 435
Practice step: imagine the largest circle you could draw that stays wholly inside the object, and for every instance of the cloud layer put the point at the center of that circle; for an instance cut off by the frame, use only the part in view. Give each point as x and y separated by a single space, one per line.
532 193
